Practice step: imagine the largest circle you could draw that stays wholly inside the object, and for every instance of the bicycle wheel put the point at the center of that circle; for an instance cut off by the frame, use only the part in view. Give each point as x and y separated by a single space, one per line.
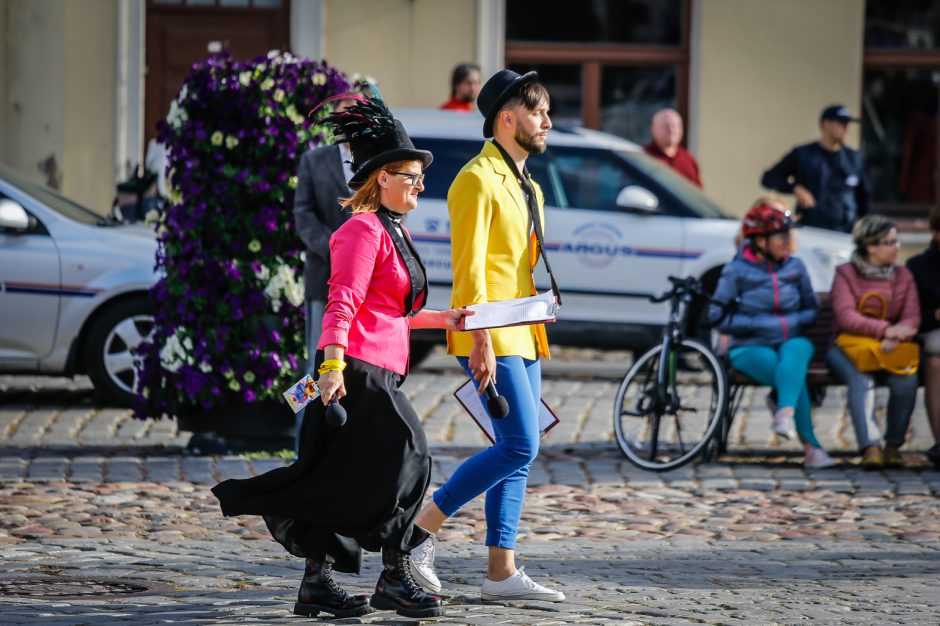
664 428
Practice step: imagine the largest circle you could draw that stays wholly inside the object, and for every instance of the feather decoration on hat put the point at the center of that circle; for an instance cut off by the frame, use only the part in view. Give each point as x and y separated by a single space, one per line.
369 120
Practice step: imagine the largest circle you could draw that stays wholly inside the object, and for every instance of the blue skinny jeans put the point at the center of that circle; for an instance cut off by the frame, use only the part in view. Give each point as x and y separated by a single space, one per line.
502 470
784 369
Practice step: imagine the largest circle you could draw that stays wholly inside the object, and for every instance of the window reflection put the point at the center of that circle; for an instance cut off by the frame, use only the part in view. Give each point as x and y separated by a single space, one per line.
631 95
899 133
912 24
595 21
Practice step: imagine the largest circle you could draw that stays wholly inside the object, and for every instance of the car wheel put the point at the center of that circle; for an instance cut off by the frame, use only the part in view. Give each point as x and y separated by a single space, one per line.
111 359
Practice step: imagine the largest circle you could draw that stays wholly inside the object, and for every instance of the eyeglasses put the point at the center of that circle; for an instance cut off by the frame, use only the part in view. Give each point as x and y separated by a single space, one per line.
889 242
413 179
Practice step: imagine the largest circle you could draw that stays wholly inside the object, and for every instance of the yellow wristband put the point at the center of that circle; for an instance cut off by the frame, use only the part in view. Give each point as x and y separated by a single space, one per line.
331 365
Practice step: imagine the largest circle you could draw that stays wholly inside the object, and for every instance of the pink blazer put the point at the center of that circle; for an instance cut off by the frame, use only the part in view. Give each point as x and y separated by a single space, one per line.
365 312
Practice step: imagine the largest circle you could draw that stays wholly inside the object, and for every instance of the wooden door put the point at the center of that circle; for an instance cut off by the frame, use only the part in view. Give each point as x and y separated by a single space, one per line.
180 34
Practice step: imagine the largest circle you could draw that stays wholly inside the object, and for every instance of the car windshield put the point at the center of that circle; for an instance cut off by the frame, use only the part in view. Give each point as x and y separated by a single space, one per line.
54 201
688 194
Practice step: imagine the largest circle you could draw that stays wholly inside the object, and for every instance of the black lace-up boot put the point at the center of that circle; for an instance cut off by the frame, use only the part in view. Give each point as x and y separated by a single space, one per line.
397 590
320 593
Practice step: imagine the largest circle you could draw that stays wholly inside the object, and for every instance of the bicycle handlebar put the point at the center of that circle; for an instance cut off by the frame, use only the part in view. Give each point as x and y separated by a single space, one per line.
691 286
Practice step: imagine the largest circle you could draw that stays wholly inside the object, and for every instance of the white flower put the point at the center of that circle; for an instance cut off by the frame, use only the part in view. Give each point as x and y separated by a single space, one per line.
292 182
249 377
231 141
263 274
278 95
284 285
254 246
244 78
293 115
205 368
273 54
175 352
363 78
217 138
151 216
267 84
319 78
177 115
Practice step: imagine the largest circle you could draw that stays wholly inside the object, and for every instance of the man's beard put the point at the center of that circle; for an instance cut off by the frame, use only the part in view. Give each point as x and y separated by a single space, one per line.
529 143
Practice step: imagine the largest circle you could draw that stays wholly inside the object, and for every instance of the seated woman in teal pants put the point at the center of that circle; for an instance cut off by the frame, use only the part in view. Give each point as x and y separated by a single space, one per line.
777 305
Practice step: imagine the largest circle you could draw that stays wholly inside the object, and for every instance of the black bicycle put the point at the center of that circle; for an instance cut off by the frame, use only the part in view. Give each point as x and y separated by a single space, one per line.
672 399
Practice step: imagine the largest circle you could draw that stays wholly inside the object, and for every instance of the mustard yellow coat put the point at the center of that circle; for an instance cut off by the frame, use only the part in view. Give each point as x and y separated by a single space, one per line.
493 250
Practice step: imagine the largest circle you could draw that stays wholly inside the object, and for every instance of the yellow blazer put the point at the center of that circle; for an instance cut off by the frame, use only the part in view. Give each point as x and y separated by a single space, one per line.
493 250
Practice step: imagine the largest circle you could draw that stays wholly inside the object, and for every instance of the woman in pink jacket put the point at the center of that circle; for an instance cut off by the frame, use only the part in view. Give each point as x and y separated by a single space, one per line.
873 269
359 486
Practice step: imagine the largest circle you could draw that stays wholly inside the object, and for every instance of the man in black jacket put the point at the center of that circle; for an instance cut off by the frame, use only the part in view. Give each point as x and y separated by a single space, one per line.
322 180
828 179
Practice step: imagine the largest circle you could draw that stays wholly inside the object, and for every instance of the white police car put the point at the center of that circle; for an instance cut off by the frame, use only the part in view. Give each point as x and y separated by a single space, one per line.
73 289
617 224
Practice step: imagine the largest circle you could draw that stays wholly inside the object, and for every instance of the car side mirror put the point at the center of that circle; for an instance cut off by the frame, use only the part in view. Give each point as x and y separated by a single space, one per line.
13 216
638 199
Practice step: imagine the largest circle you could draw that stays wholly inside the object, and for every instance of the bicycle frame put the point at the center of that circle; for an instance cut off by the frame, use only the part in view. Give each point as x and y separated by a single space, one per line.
666 369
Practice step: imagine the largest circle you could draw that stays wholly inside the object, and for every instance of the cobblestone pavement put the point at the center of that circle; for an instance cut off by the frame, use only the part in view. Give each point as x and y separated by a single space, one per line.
87 492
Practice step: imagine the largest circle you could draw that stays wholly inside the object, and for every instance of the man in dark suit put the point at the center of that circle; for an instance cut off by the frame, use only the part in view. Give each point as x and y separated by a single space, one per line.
322 180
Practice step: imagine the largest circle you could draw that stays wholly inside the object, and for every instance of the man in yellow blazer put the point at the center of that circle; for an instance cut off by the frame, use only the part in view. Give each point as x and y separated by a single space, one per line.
494 250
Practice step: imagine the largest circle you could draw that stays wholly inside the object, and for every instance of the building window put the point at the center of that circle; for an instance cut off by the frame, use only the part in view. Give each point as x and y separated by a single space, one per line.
608 65
901 99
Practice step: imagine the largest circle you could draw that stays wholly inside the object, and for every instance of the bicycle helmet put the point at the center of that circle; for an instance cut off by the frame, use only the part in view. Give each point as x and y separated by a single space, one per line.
764 220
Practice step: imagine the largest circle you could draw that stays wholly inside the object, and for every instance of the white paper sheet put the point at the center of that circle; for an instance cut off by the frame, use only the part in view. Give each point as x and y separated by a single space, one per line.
466 394
532 310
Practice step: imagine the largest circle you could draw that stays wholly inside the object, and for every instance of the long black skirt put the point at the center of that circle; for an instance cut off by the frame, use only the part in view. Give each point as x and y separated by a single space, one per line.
355 487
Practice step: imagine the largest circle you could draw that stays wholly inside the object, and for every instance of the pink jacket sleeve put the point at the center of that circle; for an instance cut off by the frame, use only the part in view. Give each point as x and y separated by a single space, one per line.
848 319
353 250
910 308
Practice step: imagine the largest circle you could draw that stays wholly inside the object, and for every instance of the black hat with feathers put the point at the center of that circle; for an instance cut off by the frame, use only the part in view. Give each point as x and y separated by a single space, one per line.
375 138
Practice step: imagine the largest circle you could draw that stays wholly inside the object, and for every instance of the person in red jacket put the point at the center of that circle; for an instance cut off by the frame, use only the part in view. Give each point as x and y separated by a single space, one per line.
872 276
464 87
359 485
666 145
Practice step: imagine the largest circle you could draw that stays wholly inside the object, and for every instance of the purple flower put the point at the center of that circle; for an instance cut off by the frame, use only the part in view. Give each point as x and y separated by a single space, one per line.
229 198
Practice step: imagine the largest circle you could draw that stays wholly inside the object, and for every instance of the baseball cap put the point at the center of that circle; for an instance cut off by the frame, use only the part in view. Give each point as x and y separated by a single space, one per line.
838 112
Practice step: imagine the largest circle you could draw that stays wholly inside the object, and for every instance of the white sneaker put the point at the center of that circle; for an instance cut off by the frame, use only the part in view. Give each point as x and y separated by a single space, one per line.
518 587
783 424
817 458
421 560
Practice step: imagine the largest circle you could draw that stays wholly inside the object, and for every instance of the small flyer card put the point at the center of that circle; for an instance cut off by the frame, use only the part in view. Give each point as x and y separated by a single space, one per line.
302 392
467 396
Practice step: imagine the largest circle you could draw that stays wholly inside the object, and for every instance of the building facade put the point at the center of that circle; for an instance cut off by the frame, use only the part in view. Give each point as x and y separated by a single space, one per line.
83 82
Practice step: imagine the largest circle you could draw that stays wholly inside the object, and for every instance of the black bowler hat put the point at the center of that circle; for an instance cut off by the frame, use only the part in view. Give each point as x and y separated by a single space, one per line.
375 139
838 112
498 89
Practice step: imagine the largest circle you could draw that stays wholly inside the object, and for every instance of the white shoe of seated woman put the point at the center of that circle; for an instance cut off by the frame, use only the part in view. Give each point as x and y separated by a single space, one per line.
783 423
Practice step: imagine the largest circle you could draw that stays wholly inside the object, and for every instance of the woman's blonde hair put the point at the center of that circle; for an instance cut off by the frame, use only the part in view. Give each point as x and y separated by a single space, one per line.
367 199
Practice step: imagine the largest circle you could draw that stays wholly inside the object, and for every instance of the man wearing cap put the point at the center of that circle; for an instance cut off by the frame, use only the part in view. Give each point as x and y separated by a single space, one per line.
495 222
828 178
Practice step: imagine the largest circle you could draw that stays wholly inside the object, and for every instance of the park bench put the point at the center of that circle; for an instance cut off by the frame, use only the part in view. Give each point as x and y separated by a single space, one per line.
818 376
